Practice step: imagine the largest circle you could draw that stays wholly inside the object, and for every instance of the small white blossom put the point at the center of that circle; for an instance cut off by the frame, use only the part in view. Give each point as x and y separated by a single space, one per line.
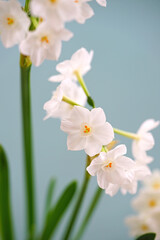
140 224
58 108
146 201
113 170
14 23
103 3
87 130
44 43
84 11
80 62
152 183
56 12
145 142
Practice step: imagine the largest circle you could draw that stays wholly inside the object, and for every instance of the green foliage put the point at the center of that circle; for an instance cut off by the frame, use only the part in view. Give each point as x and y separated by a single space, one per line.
55 214
49 196
5 209
147 236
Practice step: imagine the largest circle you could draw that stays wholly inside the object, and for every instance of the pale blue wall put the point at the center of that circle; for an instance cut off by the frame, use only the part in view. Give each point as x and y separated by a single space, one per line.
125 82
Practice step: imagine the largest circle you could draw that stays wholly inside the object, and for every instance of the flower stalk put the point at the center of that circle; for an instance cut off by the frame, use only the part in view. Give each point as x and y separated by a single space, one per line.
70 101
25 67
127 134
78 203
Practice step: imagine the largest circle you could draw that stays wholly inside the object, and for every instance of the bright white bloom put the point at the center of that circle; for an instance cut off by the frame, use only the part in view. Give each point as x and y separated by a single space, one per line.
87 130
146 201
113 170
56 12
103 3
140 224
44 43
14 23
145 142
58 108
84 11
141 172
152 183
80 62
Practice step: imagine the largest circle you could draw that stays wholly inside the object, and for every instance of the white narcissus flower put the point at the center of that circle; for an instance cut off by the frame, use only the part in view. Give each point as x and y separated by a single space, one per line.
103 3
152 183
87 130
84 11
145 142
14 23
146 201
80 62
58 108
140 224
113 170
56 12
44 43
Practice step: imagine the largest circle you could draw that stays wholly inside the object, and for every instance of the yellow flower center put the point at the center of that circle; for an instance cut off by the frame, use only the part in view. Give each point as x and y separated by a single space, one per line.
10 21
152 203
40 20
44 39
156 185
87 129
109 165
76 1
53 1
144 227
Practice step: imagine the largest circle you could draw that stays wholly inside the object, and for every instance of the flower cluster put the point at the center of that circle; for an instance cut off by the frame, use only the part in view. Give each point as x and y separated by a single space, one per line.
147 203
89 130
40 34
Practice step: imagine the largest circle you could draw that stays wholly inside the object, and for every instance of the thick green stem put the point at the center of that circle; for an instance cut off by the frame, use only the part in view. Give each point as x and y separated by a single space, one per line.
89 213
25 66
78 204
126 134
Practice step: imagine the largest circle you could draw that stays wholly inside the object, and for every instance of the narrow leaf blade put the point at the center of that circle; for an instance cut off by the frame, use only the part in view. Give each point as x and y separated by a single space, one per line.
147 236
5 209
49 196
56 213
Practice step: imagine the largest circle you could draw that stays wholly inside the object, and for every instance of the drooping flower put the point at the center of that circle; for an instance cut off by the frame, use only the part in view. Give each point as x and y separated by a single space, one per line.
14 23
55 12
145 142
113 170
58 108
103 3
84 11
80 62
87 130
44 43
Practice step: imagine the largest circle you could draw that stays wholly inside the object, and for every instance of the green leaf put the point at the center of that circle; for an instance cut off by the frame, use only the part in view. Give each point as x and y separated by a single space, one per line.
147 236
49 196
5 209
55 214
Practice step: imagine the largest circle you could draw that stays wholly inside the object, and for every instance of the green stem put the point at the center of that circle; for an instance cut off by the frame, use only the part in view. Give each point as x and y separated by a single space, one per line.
78 203
126 134
90 211
70 101
25 66
26 8
82 83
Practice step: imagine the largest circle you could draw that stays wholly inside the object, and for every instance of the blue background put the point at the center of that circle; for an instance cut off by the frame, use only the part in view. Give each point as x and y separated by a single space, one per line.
124 81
